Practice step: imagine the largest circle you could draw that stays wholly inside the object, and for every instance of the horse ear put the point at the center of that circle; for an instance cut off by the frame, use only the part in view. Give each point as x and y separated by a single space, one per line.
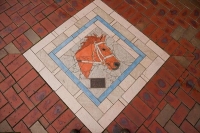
103 38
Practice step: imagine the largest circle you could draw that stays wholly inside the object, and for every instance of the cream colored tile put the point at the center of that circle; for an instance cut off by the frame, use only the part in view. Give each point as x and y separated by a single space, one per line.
54 33
124 31
47 61
137 71
77 39
86 10
41 44
65 25
157 50
111 114
49 47
134 40
104 28
145 49
78 93
123 101
87 31
93 110
61 38
113 22
116 38
128 49
81 22
68 99
65 49
76 17
50 79
67 82
35 62
146 62
71 30
56 71
88 121
144 77
105 105
103 6
134 89
153 68
127 82
138 34
120 19
103 15
91 15
115 94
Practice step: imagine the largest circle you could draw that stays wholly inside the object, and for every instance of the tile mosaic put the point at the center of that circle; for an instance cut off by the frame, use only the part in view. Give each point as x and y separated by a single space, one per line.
96 107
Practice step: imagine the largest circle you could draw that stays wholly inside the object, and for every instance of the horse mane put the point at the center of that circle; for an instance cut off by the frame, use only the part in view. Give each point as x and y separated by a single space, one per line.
91 39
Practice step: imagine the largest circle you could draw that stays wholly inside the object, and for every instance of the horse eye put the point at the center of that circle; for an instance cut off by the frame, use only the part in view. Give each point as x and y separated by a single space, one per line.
103 49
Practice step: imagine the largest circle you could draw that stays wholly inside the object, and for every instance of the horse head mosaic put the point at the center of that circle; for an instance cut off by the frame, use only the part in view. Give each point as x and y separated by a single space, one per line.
95 51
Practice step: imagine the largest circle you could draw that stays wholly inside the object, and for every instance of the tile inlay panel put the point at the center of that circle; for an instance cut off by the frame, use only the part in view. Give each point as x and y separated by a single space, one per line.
96 62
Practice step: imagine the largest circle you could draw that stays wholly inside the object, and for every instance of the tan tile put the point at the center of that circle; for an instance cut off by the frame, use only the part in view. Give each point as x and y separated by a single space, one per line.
32 36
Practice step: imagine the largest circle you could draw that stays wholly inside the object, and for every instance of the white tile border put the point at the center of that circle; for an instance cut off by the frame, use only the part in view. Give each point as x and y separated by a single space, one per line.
131 86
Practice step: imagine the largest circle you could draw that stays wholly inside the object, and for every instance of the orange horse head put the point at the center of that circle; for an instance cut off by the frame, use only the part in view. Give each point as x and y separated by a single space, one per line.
94 50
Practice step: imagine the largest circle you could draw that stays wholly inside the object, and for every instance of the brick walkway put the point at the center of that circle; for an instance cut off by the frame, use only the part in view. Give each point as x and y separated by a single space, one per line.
170 102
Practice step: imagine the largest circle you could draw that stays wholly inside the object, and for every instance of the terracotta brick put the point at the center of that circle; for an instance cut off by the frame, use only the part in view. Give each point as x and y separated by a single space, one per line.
149 29
161 83
148 98
193 70
55 111
26 100
151 117
114 127
48 25
76 5
9 58
176 63
164 40
172 100
156 128
22 43
3 101
134 115
122 7
171 47
85 130
41 94
5 111
14 9
20 72
162 104
155 91
20 30
139 105
157 34
17 88
40 30
38 9
48 102
34 86
7 83
170 127
181 22
158 21
170 22
12 2
166 4
62 14
143 129
144 3
50 129
173 12
44 122
7 30
30 19
2 43
55 19
8 39
63 120
187 44
75 124
129 12
32 117
149 11
48 2
2 2
21 127
16 64
68 8
13 98
51 8
16 116
192 22
188 128
24 2
124 122
26 9
188 101
28 78
113 3
195 94
4 19
40 16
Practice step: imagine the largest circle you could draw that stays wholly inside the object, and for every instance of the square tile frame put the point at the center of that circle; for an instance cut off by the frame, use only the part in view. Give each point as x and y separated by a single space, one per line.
130 86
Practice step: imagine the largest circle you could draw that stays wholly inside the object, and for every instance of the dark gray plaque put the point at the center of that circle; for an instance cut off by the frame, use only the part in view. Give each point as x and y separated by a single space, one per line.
97 83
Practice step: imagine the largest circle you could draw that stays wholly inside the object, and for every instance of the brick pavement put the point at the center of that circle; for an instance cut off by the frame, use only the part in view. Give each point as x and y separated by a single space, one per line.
170 101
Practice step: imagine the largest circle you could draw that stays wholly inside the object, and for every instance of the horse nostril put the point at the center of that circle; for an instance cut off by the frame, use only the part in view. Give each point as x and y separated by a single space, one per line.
116 64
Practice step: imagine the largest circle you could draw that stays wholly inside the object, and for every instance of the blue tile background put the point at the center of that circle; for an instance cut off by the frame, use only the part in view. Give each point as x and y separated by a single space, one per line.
87 92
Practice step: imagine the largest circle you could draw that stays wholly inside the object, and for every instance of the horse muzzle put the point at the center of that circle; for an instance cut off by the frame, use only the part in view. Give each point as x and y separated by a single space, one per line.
116 65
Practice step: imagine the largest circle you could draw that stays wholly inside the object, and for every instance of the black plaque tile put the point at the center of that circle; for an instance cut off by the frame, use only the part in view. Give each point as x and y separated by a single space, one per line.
97 83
